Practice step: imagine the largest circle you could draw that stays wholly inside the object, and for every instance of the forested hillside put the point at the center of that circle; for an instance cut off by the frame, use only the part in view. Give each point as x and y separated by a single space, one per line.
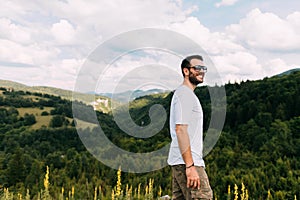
259 146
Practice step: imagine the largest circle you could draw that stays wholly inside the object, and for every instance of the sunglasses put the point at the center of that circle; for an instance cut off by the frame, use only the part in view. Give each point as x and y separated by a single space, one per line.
199 68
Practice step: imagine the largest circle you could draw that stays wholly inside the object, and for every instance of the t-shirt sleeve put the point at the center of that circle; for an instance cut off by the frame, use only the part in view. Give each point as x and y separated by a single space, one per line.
183 108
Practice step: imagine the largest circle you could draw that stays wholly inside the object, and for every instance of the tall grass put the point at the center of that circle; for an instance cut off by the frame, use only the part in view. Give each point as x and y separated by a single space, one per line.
119 192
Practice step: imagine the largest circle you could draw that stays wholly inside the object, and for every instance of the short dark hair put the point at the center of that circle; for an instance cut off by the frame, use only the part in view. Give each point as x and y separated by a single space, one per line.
186 62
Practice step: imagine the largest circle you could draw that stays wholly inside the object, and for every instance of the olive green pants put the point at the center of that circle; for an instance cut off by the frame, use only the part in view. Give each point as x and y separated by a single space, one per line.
181 192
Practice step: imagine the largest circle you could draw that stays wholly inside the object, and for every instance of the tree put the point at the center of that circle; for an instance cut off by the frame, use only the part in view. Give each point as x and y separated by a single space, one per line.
57 121
29 119
16 168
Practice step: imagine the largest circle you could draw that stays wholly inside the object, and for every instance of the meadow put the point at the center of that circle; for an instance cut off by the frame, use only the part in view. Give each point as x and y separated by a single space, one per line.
119 192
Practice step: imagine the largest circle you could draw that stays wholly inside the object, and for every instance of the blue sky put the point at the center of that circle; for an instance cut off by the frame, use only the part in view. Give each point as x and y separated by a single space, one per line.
48 42
216 18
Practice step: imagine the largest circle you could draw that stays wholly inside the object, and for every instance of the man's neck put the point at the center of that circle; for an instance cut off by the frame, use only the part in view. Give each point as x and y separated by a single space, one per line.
187 83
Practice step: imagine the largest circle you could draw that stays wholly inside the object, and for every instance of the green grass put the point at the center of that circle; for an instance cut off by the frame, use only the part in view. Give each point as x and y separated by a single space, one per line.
33 98
84 125
35 111
40 120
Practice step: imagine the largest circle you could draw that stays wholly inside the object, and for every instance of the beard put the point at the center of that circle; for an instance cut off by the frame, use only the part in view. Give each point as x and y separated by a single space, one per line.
193 79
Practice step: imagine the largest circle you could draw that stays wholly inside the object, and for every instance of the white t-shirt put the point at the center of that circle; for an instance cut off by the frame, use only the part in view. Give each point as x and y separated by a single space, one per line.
186 109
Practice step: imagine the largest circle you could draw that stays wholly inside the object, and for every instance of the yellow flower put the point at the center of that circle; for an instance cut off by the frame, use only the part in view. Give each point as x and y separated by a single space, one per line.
112 195
46 179
73 191
118 189
243 192
236 193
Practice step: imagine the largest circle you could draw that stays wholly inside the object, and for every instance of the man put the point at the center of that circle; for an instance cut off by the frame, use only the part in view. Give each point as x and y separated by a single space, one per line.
190 180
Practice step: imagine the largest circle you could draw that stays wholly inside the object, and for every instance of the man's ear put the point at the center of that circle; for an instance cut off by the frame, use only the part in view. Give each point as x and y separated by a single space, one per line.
186 71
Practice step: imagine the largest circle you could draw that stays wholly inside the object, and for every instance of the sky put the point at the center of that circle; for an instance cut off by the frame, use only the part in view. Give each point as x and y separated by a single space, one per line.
48 43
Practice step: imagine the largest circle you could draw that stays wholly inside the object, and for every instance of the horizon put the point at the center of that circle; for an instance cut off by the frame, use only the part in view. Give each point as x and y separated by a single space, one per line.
149 89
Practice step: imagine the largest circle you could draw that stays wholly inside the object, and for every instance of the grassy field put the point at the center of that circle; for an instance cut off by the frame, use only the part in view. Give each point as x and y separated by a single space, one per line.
34 98
37 112
84 125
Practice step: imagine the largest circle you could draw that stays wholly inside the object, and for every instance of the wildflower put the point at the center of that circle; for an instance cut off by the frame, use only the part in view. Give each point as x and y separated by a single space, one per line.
95 194
112 195
236 193
243 192
73 192
118 189
269 195
228 193
159 191
46 179
139 191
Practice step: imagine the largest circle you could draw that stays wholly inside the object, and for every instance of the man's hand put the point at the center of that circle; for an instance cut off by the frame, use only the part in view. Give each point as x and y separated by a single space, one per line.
193 179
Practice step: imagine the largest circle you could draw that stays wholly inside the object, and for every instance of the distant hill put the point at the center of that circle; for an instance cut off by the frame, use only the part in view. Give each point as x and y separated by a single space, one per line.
85 97
131 95
12 84
288 72
99 102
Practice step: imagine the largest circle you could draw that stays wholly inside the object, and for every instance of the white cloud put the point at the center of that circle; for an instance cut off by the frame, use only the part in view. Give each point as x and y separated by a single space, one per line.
33 54
139 69
294 20
268 31
45 33
56 36
11 51
63 32
275 66
230 60
212 42
112 17
238 66
12 9
226 3
14 32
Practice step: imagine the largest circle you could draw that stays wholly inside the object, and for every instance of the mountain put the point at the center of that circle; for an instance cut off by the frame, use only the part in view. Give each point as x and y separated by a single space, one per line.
288 72
12 84
67 94
131 95
99 102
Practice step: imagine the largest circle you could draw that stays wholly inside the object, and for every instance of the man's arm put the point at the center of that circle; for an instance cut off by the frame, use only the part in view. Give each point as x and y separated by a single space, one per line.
184 143
193 179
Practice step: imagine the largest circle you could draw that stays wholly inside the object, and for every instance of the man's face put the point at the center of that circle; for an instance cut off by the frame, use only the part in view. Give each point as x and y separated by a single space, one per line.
196 76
